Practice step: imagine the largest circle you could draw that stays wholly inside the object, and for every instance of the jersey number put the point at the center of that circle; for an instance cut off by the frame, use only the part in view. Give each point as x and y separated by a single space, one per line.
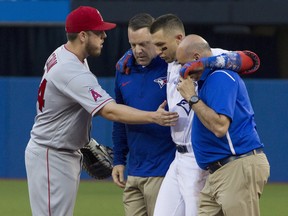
41 92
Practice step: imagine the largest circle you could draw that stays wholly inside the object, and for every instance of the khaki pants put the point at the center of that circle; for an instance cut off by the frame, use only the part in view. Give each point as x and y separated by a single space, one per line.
140 195
235 188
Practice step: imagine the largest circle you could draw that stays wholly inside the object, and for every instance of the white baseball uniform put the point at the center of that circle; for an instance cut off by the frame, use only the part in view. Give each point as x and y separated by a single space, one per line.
179 192
69 96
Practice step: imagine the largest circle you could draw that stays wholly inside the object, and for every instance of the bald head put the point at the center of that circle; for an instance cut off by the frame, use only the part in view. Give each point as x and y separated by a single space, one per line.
191 48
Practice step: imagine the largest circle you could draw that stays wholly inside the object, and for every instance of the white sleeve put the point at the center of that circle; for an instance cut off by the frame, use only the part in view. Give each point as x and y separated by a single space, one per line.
218 51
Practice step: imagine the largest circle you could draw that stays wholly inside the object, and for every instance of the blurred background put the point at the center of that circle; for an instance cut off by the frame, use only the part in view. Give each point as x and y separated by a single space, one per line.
30 30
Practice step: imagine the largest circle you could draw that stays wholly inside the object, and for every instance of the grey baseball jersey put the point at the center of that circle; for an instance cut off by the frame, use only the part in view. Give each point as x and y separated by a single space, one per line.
69 95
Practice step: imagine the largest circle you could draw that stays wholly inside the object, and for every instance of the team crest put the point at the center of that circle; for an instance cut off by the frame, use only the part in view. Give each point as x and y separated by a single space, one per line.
94 94
162 81
185 105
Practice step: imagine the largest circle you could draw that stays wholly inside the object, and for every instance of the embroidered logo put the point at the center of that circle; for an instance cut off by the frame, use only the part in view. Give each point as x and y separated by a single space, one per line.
162 81
95 94
185 105
125 83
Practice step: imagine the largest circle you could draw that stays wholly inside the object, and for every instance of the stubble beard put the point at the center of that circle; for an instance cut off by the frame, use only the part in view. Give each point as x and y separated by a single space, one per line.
93 50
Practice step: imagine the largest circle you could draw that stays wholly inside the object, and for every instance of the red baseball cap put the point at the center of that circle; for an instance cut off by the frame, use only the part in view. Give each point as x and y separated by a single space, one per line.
86 18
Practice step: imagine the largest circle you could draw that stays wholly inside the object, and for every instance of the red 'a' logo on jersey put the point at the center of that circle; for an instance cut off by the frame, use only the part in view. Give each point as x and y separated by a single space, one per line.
94 94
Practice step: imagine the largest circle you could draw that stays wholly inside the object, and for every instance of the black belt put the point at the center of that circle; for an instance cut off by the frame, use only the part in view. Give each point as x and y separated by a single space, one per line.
216 165
182 149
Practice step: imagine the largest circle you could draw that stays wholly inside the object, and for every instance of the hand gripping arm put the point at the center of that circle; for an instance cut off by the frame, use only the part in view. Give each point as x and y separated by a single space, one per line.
125 62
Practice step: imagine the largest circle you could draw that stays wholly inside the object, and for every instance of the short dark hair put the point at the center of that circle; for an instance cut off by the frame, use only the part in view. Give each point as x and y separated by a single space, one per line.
141 20
167 22
71 36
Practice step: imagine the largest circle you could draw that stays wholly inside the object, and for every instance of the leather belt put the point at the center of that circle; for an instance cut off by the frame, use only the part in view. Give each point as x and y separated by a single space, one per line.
216 165
182 149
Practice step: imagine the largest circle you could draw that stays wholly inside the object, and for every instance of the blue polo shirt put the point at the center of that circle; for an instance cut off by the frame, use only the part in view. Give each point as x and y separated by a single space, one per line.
225 92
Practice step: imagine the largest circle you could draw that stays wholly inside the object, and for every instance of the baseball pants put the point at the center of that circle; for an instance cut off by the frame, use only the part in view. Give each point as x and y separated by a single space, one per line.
53 179
180 189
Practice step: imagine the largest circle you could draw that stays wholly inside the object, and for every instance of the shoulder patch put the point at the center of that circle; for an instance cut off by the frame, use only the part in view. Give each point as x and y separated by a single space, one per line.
95 94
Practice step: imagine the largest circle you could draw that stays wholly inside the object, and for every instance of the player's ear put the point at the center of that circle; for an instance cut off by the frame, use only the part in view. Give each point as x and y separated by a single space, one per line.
179 38
83 35
196 56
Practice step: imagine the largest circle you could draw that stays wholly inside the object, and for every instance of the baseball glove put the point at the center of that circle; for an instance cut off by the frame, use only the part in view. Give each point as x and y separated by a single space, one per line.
97 160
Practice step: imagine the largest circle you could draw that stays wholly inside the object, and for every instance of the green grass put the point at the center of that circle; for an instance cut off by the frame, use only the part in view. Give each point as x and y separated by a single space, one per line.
103 198
274 200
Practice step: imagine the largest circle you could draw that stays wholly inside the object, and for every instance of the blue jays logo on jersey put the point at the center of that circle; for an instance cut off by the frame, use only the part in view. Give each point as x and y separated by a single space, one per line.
95 94
185 105
162 81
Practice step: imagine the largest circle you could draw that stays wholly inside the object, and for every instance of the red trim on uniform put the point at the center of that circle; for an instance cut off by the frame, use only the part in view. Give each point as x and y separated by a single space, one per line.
48 181
100 105
67 48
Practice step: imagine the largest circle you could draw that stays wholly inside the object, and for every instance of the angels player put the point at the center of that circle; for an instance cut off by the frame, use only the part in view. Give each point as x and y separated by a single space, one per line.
69 96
